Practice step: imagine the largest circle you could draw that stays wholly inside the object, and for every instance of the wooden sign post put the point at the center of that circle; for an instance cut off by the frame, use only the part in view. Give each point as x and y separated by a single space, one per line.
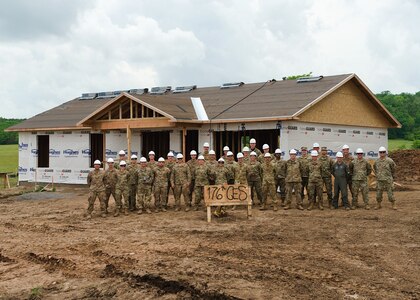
227 195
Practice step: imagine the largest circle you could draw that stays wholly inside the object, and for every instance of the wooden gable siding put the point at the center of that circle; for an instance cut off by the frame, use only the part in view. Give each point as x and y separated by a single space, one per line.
348 105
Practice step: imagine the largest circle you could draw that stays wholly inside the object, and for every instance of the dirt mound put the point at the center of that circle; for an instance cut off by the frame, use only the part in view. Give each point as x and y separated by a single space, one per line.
408 165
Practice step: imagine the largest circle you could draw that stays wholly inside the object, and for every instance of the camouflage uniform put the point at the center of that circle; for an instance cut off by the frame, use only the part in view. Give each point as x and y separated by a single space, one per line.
192 164
152 164
256 150
170 165
261 158
281 178
132 182
95 181
146 177
202 174
205 154
327 163
212 164
221 176
384 170
246 159
233 168
241 174
360 168
110 180
348 160
180 181
122 189
160 186
293 182
269 182
304 161
315 183
340 172
254 176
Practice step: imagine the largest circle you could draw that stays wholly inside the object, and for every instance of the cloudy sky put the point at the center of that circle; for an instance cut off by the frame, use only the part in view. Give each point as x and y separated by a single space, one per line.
51 51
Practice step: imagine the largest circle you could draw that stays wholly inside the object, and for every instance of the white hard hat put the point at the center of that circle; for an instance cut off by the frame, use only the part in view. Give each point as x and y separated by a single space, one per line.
193 152
314 153
267 155
293 151
110 160
278 151
245 149
97 162
253 153
359 150
123 163
133 156
339 154
161 159
179 155
229 153
151 152
200 157
346 147
239 155
226 148
170 154
382 149
122 152
211 152
315 145
206 144
143 159
221 159
252 141
265 146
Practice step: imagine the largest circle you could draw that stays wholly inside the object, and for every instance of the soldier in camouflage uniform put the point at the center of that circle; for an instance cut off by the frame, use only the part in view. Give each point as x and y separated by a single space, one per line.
192 164
160 185
241 174
122 187
121 157
170 163
252 145
340 172
384 169
146 177
95 181
225 151
348 159
304 160
212 164
360 168
269 181
221 175
245 152
110 180
180 182
202 173
254 176
266 149
152 163
280 175
327 163
315 183
293 180
205 152
132 182
232 165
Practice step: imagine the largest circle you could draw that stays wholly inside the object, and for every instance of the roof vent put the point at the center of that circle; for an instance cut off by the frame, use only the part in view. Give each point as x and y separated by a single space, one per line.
138 91
309 79
184 89
231 85
88 96
160 90
104 95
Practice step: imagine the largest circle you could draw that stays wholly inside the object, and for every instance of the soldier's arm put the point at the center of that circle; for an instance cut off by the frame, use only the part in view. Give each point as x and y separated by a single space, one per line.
392 167
189 177
375 167
172 177
368 169
89 179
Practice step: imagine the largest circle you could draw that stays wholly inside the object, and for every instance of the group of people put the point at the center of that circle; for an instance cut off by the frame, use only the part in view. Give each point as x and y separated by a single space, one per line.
133 184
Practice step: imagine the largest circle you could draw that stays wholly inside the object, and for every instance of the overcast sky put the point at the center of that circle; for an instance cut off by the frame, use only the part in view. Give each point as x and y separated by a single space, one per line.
52 51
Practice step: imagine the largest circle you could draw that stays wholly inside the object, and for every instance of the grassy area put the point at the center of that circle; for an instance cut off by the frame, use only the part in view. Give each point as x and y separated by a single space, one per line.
9 158
399 144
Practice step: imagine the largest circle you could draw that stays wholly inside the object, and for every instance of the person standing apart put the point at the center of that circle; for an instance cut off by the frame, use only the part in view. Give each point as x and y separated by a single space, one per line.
385 170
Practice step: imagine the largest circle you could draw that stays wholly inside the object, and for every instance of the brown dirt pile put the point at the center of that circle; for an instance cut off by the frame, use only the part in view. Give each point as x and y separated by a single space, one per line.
408 165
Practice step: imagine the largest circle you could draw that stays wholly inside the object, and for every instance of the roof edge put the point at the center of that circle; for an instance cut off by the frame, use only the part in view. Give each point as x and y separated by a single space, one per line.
10 129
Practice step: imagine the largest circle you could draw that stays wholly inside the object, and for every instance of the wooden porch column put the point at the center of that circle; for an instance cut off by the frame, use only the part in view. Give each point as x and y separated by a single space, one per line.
128 141
184 137
104 149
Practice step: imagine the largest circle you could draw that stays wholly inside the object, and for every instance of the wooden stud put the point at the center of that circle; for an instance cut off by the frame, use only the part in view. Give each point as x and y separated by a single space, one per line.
120 111
209 213
128 140
131 108
184 135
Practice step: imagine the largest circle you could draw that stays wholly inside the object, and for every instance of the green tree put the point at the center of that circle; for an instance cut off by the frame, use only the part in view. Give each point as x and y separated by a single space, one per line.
8 138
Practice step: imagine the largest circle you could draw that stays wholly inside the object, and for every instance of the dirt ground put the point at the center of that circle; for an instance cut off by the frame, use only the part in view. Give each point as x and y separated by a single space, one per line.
48 251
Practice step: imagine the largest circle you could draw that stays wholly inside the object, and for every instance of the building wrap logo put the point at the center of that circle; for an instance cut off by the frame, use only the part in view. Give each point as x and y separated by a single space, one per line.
34 152
109 152
372 154
55 153
23 146
70 153
22 170
86 153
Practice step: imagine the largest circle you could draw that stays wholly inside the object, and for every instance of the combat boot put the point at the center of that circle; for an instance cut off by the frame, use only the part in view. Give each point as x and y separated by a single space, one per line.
140 211
367 207
187 208
378 205
275 207
300 207
88 216
286 207
117 213
125 212
263 207
176 208
163 209
233 207
148 211
394 206
311 205
321 207
103 215
196 208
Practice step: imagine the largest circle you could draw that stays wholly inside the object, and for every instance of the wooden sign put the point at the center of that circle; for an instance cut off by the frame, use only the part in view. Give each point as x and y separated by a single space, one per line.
227 195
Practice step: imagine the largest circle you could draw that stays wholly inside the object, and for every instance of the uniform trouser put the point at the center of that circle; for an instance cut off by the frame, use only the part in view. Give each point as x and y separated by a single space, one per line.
191 190
360 185
350 185
340 185
328 186
179 190
132 197
269 188
281 182
119 193
199 195
108 192
315 189
256 188
165 204
161 193
384 185
296 186
91 201
304 186
144 196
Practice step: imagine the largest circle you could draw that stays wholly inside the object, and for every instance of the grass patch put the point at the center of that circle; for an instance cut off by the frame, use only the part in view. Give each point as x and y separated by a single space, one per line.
9 158
399 144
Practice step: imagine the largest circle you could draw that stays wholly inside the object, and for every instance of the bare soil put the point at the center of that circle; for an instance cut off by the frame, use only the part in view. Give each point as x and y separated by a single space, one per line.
49 251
